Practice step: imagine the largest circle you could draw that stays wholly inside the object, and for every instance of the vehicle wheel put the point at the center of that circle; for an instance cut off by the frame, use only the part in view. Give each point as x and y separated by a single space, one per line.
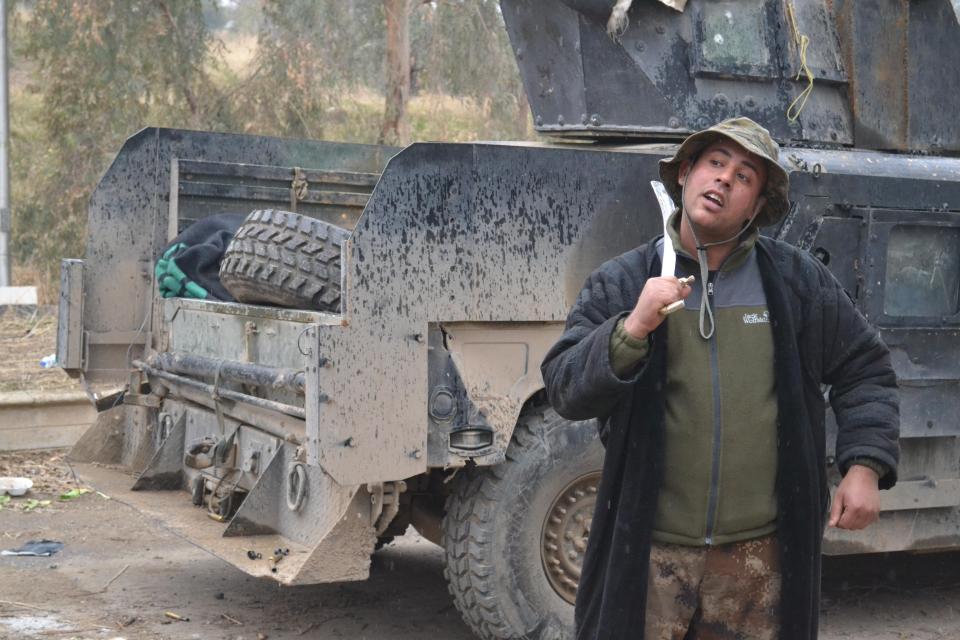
514 534
285 259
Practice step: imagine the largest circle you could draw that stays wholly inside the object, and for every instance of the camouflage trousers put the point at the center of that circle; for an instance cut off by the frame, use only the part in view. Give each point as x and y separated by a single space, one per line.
724 592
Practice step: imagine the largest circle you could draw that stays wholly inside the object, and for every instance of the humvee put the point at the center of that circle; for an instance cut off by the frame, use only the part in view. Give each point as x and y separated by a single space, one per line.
291 442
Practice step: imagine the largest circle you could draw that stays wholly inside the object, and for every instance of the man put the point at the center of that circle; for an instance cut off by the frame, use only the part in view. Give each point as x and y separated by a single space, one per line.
711 510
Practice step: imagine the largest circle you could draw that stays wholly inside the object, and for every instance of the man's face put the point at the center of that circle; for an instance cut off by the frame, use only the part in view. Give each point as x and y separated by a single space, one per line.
722 189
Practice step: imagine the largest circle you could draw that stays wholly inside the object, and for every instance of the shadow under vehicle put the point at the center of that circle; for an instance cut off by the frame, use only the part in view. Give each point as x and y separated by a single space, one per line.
290 442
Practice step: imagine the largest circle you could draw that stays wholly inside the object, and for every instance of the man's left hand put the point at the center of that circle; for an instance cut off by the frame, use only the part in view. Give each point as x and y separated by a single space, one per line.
857 501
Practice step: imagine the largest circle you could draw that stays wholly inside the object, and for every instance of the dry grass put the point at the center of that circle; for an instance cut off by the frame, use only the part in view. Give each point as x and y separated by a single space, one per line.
238 50
24 340
433 117
31 275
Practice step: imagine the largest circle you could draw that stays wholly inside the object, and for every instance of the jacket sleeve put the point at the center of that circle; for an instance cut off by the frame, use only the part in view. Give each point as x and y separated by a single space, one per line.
577 371
863 392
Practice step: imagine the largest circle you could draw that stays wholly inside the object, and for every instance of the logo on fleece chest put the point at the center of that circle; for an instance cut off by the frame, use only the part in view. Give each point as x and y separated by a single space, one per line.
757 318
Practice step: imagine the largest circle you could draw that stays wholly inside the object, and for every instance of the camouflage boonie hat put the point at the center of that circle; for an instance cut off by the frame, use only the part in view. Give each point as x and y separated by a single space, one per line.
752 137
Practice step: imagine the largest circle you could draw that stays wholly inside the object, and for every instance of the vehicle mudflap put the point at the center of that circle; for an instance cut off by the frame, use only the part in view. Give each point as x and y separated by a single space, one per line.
165 471
104 441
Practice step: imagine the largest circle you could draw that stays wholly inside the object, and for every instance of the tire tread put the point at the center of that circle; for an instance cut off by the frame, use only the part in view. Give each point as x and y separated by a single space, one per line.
468 539
283 258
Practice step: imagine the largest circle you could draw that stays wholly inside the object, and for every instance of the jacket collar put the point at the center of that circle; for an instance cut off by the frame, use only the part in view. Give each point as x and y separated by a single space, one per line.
748 240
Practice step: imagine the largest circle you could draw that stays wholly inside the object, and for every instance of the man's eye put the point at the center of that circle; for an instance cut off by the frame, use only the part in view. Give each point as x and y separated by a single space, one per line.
743 177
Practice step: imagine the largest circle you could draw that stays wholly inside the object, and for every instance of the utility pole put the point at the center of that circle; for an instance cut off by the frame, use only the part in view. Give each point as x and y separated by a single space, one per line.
4 149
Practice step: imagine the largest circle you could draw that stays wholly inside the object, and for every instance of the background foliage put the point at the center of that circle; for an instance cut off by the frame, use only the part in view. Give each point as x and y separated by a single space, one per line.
86 75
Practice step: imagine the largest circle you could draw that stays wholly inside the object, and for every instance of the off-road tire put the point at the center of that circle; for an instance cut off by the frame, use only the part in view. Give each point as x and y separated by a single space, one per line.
494 526
285 259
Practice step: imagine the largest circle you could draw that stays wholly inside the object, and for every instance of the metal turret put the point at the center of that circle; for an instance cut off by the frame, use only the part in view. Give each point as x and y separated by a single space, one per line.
885 72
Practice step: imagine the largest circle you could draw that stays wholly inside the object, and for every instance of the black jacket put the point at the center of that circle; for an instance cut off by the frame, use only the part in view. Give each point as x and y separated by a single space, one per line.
819 338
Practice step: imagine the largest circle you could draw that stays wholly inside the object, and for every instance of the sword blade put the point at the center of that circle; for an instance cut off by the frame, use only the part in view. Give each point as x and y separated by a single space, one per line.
669 260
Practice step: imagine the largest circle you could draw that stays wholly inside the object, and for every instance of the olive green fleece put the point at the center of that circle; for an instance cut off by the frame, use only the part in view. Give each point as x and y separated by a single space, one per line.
746 503
743 378
874 465
626 352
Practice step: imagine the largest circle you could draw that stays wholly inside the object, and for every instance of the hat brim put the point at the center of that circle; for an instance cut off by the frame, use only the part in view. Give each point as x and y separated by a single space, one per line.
778 181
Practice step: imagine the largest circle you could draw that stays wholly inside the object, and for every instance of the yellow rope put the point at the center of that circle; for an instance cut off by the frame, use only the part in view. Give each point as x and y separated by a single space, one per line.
793 111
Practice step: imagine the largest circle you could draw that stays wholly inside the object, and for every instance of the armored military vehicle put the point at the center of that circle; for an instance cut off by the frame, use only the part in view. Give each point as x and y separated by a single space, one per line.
289 442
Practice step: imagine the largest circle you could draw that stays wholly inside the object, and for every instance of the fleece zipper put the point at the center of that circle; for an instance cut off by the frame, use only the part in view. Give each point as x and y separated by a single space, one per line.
713 495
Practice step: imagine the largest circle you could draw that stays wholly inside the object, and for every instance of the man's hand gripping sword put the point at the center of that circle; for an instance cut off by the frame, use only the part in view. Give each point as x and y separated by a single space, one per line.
669 260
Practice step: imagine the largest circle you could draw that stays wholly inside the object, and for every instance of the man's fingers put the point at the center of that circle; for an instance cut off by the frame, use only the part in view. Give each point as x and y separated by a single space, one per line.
836 509
674 296
860 518
684 286
670 308
848 516
856 504
851 521
844 515
660 296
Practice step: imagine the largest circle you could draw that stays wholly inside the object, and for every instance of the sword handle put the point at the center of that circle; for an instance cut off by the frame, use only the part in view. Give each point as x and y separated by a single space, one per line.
676 306
670 308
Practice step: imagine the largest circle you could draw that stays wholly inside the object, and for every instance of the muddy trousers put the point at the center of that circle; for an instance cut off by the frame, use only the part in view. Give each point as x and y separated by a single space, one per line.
728 592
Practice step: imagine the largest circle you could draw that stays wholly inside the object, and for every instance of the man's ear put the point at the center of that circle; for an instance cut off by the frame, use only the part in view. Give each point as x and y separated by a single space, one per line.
684 170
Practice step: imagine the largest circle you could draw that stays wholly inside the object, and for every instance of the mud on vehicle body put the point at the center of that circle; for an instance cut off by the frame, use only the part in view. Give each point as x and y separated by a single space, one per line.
414 398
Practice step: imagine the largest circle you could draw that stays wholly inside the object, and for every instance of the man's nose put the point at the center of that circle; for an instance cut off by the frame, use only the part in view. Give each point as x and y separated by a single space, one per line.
726 176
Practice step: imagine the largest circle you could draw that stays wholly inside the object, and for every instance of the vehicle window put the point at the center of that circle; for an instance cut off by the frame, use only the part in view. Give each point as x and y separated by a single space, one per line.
923 272
734 36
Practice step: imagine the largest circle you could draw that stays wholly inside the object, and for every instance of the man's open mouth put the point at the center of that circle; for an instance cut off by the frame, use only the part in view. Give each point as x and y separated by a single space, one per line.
714 197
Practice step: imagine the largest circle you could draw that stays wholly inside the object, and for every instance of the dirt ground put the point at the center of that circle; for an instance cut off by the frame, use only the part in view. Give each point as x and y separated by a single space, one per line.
25 338
119 573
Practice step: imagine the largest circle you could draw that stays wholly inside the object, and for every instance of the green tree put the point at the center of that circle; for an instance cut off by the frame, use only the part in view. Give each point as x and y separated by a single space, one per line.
308 53
100 71
461 48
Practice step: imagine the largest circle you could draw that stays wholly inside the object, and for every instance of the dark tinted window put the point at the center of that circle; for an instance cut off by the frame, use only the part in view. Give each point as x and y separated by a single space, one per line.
923 271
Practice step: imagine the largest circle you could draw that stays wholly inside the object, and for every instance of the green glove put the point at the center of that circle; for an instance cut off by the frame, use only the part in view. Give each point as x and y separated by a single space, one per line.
172 281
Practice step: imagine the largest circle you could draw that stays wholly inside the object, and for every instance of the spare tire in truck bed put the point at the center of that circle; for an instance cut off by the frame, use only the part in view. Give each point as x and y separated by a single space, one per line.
286 259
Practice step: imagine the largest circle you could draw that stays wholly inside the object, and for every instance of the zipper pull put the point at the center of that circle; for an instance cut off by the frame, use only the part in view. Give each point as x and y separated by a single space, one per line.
710 289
